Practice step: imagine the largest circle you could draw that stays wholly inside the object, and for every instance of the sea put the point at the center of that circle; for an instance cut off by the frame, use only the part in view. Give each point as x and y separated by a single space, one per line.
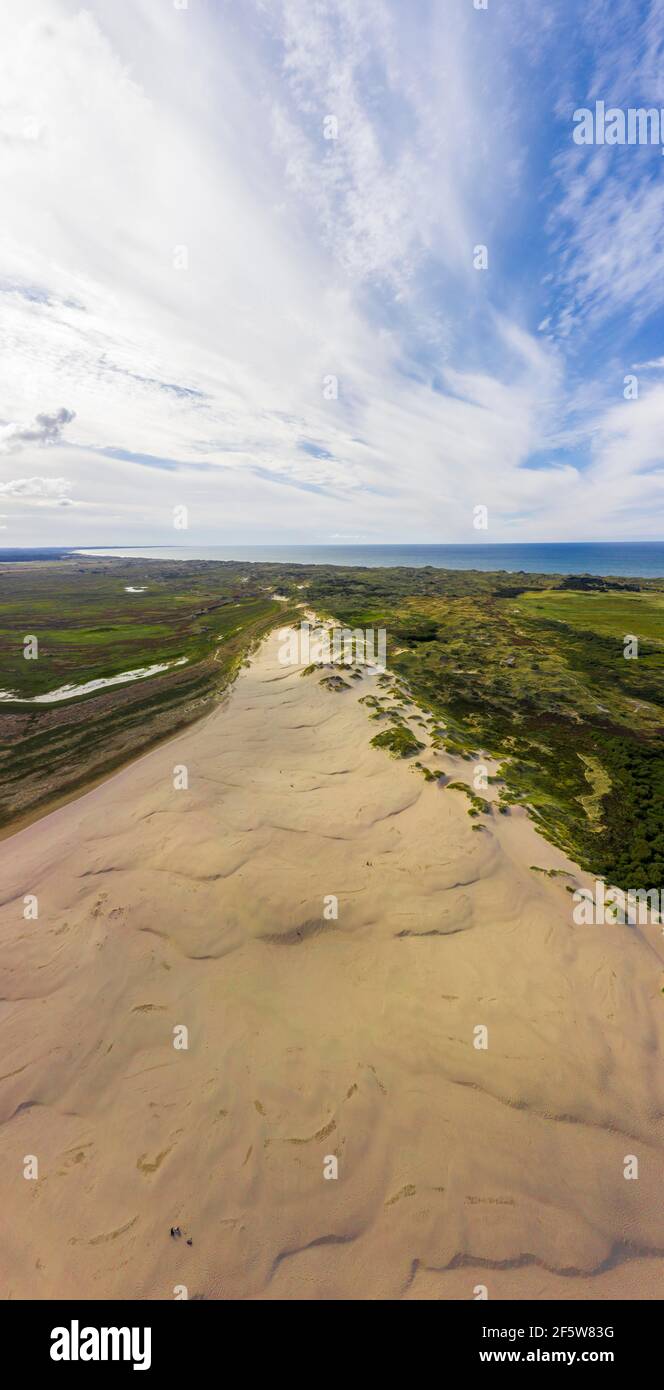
636 559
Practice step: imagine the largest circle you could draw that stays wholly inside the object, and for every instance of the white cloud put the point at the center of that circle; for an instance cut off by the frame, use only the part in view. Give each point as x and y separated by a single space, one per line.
131 131
35 487
47 429
614 253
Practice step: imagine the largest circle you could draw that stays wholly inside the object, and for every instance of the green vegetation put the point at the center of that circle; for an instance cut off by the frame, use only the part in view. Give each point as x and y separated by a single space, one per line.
478 803
334 683
550 873
528 669
89 628
427 772
600 784
611 615
399 741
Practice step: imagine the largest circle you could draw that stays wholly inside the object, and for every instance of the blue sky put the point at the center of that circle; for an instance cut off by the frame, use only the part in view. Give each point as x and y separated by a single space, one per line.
205 302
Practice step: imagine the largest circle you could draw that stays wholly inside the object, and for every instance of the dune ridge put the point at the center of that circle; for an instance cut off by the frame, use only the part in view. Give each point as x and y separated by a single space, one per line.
312 1037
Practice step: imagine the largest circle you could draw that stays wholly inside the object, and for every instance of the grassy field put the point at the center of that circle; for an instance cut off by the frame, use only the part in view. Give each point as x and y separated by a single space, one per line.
610 615
529 669
89 628
536 676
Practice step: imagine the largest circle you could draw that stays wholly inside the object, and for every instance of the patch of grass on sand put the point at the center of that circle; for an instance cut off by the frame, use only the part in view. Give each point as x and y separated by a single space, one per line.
531 669
334 683
478 803
399 741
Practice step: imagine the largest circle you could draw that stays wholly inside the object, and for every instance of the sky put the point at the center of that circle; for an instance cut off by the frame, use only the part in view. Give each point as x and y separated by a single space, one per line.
239 272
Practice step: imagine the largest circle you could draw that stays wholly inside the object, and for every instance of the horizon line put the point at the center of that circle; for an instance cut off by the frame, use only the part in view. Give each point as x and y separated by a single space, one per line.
318 545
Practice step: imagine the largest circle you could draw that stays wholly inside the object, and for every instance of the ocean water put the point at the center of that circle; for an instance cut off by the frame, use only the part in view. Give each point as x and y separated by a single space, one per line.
639 559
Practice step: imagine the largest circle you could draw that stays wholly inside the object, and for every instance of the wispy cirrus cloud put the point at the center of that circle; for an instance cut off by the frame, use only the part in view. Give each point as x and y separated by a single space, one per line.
606 211
248 261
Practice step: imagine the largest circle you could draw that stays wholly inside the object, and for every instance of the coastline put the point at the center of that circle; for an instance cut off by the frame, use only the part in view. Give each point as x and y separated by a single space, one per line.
312 1037
634 559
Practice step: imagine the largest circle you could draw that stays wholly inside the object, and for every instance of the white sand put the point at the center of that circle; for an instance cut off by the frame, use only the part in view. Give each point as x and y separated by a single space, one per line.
310 1038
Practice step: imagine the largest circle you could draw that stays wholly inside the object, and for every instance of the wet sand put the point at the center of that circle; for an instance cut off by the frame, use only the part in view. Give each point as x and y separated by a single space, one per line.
312 1038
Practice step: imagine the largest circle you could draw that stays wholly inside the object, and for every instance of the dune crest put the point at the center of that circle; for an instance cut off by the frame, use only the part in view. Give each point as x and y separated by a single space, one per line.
205 915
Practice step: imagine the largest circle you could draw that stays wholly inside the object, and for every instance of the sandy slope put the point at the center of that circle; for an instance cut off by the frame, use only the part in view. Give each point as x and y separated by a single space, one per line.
310 1038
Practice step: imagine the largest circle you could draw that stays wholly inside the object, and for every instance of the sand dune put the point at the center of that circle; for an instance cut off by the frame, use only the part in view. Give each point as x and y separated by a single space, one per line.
310 1038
